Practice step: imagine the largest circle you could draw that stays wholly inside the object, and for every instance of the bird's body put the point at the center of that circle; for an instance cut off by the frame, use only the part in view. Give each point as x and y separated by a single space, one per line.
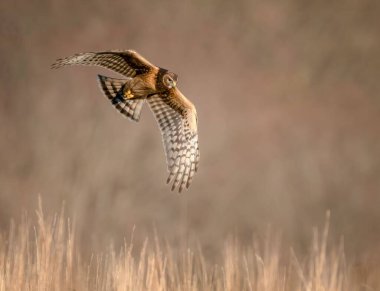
175 114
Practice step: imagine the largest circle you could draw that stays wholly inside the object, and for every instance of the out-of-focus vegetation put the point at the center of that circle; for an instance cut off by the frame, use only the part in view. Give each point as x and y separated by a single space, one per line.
46 257
287 95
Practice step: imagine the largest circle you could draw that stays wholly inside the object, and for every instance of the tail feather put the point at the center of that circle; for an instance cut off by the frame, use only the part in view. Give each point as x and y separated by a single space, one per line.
113 89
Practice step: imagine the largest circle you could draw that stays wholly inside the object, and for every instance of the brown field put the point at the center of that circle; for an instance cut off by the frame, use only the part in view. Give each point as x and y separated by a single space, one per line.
46 257
287 94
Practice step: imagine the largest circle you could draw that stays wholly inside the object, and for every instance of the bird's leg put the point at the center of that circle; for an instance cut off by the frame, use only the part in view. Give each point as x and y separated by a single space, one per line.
136 89
128 94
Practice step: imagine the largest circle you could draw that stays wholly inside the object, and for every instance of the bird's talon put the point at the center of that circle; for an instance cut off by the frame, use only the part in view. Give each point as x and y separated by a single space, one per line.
128 94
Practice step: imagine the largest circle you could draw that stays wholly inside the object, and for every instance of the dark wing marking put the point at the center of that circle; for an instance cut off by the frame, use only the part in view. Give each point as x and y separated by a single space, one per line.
113 89
128 63
180 142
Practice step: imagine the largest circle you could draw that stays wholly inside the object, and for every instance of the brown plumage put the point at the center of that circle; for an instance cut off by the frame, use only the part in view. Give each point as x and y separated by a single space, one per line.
175 114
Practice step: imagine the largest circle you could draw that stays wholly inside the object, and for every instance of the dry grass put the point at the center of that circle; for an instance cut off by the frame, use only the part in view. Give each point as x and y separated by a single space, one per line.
289 122
46 257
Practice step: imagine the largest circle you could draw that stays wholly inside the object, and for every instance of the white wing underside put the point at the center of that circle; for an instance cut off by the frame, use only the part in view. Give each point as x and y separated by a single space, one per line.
180 143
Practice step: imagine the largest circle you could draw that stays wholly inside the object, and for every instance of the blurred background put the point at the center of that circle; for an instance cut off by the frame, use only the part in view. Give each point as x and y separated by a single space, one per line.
287 94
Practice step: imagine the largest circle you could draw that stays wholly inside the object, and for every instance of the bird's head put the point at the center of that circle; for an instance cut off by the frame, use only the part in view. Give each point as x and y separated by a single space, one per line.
170 80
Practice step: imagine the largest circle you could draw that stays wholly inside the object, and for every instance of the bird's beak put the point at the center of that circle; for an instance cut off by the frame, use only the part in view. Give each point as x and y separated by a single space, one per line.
174 84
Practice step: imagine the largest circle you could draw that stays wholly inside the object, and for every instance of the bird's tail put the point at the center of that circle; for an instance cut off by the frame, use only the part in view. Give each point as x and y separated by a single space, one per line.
114 90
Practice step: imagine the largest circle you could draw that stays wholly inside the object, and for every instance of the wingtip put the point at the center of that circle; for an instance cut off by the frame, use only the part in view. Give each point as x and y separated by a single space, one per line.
54 66
170 177
57 64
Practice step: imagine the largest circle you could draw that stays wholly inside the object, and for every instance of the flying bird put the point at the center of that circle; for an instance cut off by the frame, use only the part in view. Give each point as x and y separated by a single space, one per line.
144 82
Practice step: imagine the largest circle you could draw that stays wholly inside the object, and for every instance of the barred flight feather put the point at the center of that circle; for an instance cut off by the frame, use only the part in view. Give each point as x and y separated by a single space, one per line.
110 60
180 143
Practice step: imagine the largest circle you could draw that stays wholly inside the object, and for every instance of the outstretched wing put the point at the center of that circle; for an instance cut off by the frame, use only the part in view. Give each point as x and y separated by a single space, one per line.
128 63
180 139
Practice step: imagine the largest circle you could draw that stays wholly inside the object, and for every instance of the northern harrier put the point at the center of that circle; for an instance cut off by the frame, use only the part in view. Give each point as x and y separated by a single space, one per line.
175 114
